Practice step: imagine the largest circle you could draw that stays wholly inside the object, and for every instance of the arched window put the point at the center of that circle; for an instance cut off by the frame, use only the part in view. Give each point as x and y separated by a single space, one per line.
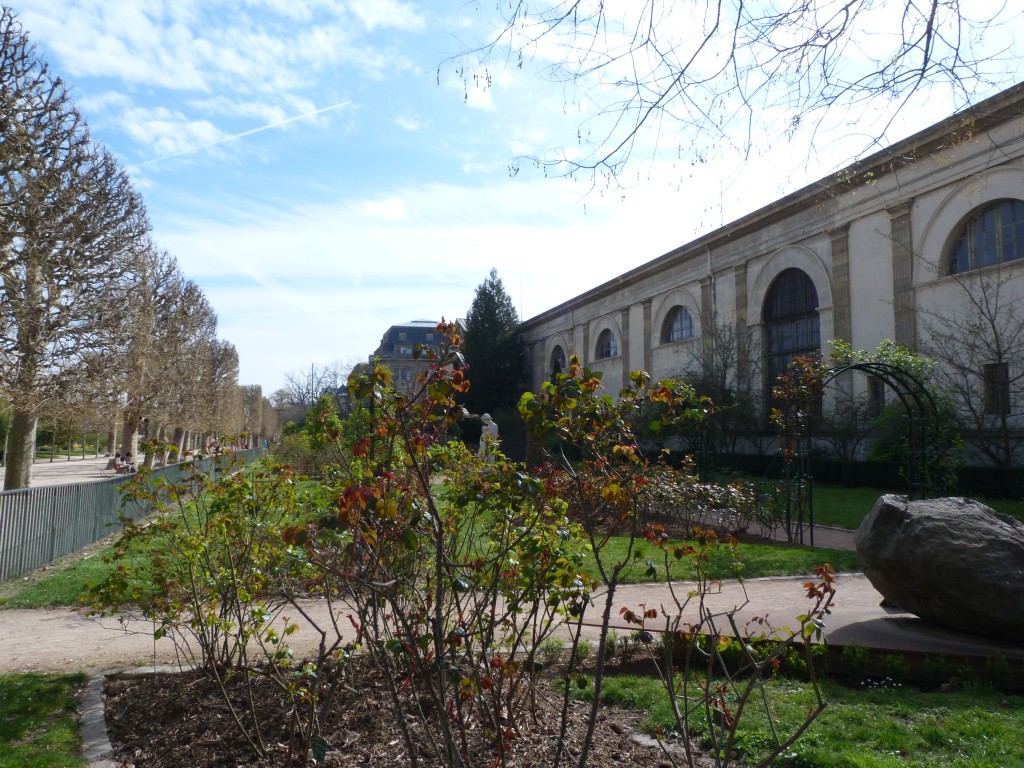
606 346
557 361
678 325
791 325
993 234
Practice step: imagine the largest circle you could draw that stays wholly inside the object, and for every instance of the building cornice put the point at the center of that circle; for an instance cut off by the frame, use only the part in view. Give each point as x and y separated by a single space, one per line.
944 135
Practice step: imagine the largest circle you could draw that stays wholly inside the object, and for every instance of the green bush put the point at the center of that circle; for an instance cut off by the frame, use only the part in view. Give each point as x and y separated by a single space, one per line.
893 666
856 659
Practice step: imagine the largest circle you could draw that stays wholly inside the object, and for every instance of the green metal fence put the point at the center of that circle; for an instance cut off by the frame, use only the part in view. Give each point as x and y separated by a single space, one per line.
39 525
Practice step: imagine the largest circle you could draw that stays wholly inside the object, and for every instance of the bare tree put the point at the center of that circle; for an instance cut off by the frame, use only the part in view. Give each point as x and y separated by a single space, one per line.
251 396
700 75
189 368
220 399
165 369
726 367
980 350
150 316
270 420
305 387
70 225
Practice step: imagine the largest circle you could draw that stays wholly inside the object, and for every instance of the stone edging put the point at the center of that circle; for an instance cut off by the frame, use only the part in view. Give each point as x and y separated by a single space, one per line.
96 747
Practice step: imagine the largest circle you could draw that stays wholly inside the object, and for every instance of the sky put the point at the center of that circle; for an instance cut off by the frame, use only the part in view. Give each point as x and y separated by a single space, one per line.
321 171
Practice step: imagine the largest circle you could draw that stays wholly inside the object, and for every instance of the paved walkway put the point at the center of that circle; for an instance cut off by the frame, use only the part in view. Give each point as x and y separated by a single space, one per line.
62 471
64 639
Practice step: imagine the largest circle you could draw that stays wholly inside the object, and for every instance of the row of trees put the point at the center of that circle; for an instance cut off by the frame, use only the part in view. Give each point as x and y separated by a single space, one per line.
94 318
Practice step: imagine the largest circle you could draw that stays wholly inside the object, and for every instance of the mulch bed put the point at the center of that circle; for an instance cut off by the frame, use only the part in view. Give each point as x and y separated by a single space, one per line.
176 720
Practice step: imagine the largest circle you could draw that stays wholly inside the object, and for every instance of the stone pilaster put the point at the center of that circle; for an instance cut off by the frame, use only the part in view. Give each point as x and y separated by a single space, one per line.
624 344
648 341
904 310
842 327
740 281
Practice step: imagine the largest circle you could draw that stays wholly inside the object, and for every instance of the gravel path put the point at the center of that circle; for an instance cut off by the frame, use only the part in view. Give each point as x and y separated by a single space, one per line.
59 640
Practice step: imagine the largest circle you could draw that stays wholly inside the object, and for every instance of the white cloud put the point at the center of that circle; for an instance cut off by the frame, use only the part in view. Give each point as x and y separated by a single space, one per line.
388 13
408 123
102 102
245 46
479 98
392 209
263 112
138 42
166 132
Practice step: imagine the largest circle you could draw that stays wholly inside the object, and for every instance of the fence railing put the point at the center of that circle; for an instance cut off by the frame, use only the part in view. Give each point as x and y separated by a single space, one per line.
39 525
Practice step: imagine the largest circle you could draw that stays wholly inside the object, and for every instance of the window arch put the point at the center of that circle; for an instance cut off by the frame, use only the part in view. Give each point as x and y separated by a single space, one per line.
557 360
678 325
606 346
992 234
791 323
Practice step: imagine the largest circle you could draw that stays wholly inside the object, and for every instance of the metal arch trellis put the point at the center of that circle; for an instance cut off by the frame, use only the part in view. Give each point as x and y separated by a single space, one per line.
922 424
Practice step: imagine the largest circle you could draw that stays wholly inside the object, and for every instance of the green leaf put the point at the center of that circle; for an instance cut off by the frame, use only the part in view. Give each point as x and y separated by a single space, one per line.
319 748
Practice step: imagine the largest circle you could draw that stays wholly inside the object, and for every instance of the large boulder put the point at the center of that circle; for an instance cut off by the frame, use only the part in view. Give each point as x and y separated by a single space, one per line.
953 561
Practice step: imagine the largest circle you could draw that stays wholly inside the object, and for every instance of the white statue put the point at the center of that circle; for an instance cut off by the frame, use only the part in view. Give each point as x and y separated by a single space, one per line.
488 438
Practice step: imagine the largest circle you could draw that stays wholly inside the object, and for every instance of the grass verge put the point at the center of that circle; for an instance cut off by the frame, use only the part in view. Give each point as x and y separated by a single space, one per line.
38 721
756 561
865 728
846 507
60 584
843 507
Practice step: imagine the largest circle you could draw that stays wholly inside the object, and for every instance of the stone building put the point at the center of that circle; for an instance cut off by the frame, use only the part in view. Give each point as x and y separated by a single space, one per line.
397 351
404 349
862 256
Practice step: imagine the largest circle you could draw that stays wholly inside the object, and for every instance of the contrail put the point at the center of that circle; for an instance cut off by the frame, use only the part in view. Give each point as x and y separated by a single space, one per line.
243 134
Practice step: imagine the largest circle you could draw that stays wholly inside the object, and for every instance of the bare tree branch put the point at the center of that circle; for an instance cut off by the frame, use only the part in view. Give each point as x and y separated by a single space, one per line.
731 71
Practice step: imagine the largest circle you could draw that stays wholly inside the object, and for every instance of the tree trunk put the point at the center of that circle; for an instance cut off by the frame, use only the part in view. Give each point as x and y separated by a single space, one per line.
21 449
178 443
157 437
131 426
111 438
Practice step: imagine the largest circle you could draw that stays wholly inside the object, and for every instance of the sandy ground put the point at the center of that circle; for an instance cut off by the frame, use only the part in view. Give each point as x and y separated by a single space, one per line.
55 640
61 640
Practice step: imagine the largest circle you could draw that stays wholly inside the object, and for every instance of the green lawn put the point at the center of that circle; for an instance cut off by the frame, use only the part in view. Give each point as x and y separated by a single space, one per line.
846 507
61 586
880 728
843 507
38 721
757 560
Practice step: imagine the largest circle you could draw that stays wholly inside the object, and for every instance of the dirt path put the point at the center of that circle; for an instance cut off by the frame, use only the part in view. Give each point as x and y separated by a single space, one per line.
64 640
58 640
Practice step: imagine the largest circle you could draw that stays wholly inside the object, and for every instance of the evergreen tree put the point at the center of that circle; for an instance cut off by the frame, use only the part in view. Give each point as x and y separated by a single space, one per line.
492 349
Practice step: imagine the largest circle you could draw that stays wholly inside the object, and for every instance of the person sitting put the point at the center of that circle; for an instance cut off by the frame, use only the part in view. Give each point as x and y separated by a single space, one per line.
129 463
